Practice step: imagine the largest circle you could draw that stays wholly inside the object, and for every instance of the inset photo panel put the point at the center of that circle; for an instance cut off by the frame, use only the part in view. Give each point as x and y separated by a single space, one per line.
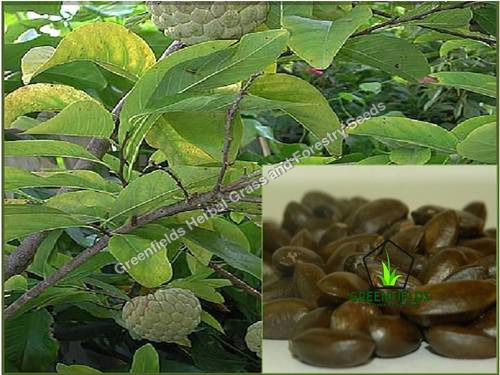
380 269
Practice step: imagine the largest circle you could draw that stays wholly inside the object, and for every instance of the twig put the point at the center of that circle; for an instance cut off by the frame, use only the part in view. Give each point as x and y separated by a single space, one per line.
177 180
489 41
398 20
19 259
234 280
200 200
266 151
228 127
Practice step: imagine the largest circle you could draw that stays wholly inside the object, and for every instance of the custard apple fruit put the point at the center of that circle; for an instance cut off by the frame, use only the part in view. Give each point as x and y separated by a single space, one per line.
196 22
253 338
168 315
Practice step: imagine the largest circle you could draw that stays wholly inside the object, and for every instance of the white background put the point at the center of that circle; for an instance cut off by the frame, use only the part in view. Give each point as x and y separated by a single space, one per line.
449 186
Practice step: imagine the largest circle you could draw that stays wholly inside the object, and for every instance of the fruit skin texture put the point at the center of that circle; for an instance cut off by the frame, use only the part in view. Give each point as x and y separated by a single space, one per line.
168 315
253 338
196 22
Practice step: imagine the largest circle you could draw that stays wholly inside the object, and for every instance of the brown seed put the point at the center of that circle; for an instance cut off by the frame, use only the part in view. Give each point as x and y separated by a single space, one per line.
317 318
305 279
353 316
295 217
394 336
490 262
486 245
282 288
337 286
452 302
317 227
373 240
491 232
460 342
487 323
377 215
303 238
281 315
332 348
286 257
323 205
333 233
442 264
469 272
274 237
440 231
337 260
477 209
409 239
397 227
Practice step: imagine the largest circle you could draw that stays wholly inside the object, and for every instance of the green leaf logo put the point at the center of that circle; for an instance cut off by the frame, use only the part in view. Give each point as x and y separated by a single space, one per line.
388 277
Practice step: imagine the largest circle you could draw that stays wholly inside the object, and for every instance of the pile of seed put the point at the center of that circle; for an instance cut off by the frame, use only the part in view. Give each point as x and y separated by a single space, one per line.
328 250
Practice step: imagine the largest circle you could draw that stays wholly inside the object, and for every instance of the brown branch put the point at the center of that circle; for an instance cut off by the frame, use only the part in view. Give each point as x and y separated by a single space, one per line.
177 180
20 259
395 21
228 129
197 201
489 41
237 282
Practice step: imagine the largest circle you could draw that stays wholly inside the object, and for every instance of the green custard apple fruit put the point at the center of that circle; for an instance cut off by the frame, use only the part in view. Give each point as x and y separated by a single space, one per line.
196 22
168 315
253 338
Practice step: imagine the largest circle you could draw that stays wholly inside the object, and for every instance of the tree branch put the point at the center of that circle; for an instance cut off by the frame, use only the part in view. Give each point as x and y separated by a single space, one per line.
196 202
20 259
489 41
228 129
237 282
395 21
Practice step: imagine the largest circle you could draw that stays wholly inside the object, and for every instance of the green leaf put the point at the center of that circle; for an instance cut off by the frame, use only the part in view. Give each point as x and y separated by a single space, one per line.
40 7
159 189
108 44
93 204
16 282
226 249
318 41
46 147
304 103
146 361
406 156
184 142
375 160
63 369
467 44
197 68
148 265
211 321
486 17
476 82
85 118
463 129
199 288
21 220
403 131
480 145
40 97
15 178
32 348
41 264
448 19
395 56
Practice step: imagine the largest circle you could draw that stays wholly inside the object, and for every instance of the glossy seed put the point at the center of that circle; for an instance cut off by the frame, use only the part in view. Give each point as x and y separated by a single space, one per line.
281 315
451 302
394 336
332 348
486 245
373 240
336 261
323 205
477 209
487 323
282 288
274 237
460 342
409 239
333 233
354 316
337 286
295 217
286 257
442 230
377 215
305 280
317 318
303 238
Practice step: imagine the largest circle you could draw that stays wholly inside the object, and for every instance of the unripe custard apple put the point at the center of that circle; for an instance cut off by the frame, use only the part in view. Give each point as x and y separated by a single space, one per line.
168 315
196 22
253 338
